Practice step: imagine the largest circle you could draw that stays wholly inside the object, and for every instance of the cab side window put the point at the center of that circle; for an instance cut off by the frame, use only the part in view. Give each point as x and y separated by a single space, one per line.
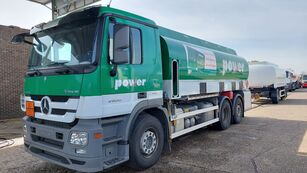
110 42
136 46
135 50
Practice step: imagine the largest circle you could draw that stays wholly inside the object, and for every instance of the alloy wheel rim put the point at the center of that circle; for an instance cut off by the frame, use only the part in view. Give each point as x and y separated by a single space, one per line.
148 142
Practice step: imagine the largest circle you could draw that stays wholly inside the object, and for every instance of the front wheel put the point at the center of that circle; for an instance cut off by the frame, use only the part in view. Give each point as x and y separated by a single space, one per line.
146 142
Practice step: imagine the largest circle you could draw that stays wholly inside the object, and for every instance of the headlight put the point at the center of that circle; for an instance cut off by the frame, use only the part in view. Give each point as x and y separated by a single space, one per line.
79 138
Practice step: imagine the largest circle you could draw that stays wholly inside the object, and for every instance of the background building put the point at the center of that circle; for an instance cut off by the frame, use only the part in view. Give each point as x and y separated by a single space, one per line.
13 65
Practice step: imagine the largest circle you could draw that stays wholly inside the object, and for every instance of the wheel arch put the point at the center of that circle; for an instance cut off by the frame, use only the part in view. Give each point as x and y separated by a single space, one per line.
161 114
156 110
222 99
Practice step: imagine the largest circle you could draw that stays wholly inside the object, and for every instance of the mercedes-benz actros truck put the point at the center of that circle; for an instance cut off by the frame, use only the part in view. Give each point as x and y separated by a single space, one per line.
105 86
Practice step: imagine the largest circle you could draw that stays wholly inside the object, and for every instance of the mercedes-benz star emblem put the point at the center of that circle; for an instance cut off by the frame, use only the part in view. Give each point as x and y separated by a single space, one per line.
45 105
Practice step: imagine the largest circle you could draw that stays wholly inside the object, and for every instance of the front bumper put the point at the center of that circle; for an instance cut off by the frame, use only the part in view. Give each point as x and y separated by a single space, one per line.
50 142
69 161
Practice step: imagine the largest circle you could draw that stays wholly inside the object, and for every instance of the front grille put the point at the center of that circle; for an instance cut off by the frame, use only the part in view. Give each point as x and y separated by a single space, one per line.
55 157
54 98
49 142
60 100
77 162
62 111
55 111
49 155
54 123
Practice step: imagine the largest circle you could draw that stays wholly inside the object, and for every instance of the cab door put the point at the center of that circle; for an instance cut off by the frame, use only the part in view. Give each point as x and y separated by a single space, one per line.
131 70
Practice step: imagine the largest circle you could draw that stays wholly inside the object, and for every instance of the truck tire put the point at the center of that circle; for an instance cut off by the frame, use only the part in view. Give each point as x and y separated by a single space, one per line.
275 96
146 142
224 115
238 110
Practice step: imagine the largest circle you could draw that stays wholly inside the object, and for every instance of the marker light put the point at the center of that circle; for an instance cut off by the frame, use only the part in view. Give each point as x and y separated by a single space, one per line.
30 109
98 135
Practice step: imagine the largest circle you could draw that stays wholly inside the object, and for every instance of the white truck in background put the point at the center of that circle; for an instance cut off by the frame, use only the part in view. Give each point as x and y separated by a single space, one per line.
292 80
297 79
267 80
304 80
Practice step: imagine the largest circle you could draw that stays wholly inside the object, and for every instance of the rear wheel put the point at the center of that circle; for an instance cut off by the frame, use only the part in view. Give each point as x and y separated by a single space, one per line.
224 115
238 110
146 142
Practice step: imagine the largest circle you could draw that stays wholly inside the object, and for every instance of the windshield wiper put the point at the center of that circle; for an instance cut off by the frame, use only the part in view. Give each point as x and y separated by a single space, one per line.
67 69
34 72
57 63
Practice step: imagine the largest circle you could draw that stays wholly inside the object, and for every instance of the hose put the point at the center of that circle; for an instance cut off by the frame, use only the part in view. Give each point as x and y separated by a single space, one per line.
5 142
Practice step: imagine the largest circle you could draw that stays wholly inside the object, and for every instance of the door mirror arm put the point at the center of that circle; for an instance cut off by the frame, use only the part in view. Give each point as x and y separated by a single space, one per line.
113 72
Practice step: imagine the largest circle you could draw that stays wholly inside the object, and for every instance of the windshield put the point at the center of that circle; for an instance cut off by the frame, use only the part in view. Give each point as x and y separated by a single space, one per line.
70 44
305 77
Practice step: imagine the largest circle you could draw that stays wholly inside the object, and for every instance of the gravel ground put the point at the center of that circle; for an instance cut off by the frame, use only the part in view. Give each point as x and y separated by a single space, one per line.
271 138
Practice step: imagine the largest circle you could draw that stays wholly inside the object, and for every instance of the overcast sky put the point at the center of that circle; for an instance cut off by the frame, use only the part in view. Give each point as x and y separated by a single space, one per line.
271 30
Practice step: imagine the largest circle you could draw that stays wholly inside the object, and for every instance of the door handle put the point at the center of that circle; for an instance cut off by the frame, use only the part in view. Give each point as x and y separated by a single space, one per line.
142 95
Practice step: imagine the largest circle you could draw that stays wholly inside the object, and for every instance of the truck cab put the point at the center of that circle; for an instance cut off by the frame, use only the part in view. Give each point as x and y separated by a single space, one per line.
291 80
74 80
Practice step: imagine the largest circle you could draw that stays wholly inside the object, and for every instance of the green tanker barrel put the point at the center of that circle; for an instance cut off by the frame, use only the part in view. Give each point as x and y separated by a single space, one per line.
199 59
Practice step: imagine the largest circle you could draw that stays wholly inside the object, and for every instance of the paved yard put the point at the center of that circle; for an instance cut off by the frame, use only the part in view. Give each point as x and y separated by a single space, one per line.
10 129
271 138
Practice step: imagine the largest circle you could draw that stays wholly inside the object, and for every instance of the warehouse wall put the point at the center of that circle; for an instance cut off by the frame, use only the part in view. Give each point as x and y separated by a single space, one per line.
13 64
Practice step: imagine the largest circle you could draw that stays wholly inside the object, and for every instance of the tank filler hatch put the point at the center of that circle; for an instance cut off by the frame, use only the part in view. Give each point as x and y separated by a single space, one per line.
62 7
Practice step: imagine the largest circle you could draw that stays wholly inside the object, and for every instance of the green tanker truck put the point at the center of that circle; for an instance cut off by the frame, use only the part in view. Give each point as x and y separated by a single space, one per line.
105 86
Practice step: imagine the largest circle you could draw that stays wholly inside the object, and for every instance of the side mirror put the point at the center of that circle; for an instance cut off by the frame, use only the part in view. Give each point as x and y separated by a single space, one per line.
121 44
19 38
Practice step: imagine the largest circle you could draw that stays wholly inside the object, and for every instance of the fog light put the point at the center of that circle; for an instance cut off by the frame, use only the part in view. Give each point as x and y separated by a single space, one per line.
80 151
79 138
24 130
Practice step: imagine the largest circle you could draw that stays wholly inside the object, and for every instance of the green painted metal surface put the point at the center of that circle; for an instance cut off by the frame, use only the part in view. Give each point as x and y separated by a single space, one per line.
60 85
200 60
